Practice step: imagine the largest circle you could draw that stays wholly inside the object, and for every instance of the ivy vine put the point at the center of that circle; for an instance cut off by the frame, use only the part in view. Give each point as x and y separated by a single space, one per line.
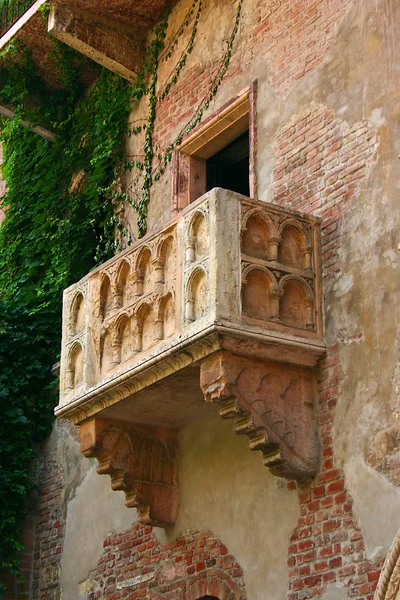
152 165
60 205
52 235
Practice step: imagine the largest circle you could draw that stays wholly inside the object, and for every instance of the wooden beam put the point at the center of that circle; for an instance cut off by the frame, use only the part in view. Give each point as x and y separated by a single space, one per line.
114 46
44 133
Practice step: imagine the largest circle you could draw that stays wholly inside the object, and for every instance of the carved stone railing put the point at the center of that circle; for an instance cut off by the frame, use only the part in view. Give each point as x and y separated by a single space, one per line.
223 305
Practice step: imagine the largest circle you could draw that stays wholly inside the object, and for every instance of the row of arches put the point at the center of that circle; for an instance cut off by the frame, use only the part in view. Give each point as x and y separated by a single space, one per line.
291 301
127 336
287 242
138 277
131 279
132 334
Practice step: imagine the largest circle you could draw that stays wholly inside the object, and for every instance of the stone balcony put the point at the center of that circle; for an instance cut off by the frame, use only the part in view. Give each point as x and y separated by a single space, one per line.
221 308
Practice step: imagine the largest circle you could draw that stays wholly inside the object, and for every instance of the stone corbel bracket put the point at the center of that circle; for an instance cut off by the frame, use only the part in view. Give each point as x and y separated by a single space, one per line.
273 404
141 461
388 587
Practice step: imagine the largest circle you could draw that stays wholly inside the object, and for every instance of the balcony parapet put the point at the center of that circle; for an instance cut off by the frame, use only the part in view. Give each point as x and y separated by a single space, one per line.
224 305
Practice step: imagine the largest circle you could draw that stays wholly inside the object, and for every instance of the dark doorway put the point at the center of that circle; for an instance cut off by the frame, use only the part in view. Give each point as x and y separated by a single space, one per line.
208 598
229 168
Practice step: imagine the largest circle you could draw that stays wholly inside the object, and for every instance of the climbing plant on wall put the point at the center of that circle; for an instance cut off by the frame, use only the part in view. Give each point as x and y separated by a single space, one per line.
60 222
152 164
52 235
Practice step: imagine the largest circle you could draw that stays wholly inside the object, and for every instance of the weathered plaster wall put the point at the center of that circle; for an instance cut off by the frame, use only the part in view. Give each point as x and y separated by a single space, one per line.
100 511
76 510
226 489
344 63
328 143
252 513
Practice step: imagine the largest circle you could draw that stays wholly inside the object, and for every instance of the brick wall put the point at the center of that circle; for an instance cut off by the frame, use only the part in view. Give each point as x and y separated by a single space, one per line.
327 545
295 37
321 161
135 565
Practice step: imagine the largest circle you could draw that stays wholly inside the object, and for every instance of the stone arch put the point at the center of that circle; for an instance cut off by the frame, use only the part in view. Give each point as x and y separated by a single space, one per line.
74 373
143 271
258 291
166 316
197 237
122 284
166 258
123 346
105 297
389 581
218 585
197 295
256 234
145 327
294 245
106 352
297 302
77 314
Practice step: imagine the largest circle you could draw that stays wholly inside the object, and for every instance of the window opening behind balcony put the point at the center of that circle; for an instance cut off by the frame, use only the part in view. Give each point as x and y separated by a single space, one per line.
220 153
229 168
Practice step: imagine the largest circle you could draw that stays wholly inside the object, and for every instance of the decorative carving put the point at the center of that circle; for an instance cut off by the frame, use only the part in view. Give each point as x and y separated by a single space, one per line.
141 461
174 297
74 372
272 404
197 295
122 291
292 248
260 294
143 272
77 314
297 303
197 238
389 581
105 297
281 246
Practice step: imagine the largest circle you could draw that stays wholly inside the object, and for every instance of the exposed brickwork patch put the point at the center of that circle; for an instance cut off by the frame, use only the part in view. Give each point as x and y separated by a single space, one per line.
327 545
296 36
50 528
135 565
320 163
385 457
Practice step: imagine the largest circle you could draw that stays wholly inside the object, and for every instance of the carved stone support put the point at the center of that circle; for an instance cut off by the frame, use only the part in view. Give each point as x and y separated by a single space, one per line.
389 581
273 247
273 404
190 244
141 461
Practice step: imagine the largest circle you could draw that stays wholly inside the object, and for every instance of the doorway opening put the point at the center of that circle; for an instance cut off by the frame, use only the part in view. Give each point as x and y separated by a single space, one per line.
229 168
